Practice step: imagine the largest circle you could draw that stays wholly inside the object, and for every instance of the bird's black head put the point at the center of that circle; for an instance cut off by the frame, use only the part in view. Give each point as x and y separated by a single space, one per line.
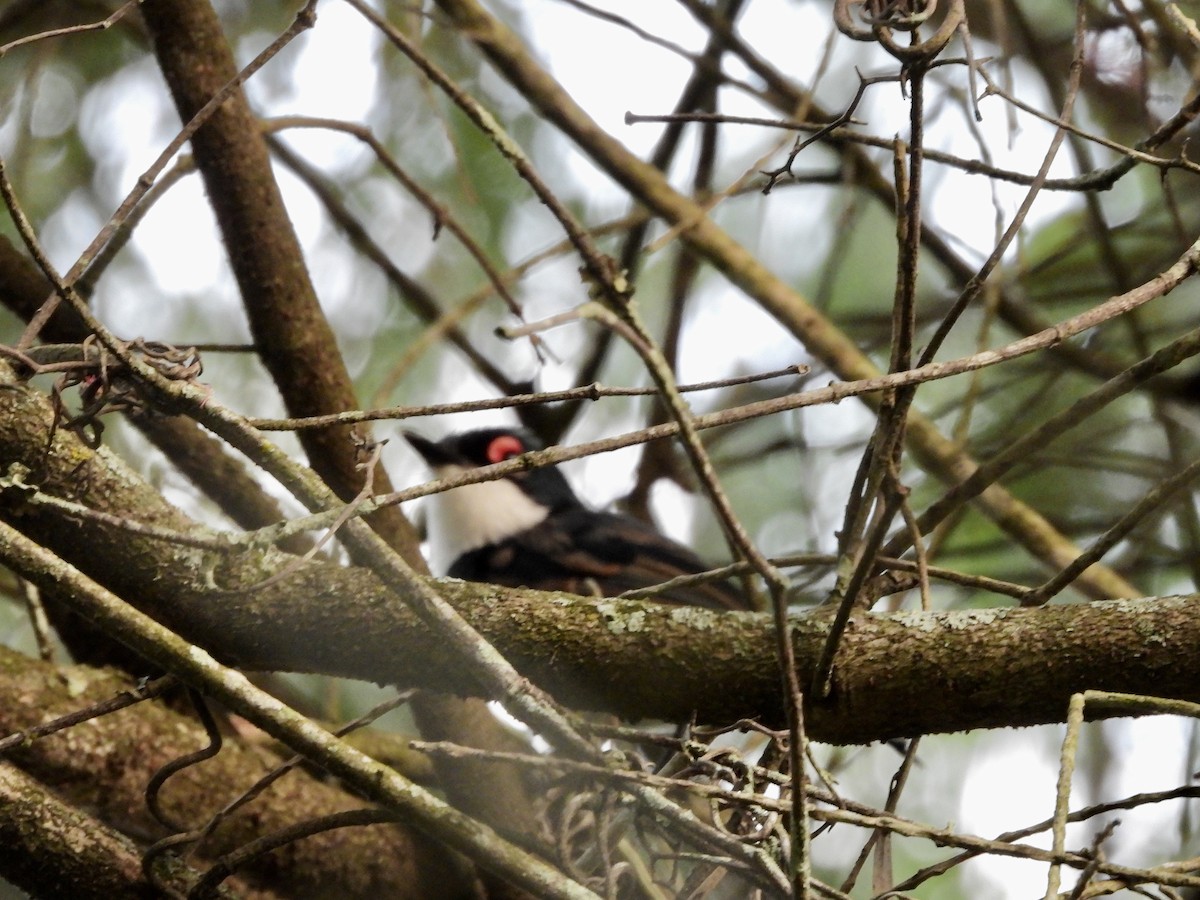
485 446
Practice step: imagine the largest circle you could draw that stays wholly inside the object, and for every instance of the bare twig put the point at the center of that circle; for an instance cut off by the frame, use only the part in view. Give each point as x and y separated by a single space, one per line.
102 25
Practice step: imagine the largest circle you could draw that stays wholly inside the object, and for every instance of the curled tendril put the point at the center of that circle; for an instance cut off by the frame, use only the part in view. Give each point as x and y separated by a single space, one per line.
885 17
105 385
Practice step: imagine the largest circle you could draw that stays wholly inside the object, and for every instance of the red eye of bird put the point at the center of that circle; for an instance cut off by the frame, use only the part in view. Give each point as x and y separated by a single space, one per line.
504 447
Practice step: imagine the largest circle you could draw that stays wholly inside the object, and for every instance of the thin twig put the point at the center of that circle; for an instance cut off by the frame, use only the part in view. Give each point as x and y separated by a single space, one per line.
972 288
594 391
1003 461
1062 798
1152 502
102 25
143 690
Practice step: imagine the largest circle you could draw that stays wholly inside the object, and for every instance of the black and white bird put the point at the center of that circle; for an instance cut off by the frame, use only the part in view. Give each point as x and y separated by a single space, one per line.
530 530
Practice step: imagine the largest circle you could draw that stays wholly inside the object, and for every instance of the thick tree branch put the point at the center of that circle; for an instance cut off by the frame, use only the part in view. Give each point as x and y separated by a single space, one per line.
105 766
895 675
290 330
51 847
376 782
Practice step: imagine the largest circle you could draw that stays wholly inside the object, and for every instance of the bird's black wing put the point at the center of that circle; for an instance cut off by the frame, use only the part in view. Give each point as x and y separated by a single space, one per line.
586 552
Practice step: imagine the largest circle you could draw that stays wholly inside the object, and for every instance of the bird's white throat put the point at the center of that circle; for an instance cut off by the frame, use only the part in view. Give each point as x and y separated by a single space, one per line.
476 515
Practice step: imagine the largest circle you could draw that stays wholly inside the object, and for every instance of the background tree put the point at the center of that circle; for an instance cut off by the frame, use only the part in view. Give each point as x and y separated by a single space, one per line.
911 268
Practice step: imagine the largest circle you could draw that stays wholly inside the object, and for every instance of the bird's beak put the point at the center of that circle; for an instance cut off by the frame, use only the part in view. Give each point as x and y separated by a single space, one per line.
432 452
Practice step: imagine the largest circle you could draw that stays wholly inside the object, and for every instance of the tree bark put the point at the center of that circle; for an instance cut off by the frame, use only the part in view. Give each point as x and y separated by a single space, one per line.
896 675
105 765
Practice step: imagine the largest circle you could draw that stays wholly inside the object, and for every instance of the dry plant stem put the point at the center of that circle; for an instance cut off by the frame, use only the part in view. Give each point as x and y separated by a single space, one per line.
511 333
895 789
39 624
979 582
198 668
1186 514
1062 794
206 886
1110 701
945 837
151 689
199 538
715 118
918 543
1081 815
844 118
881 465
880 451
848 811
878 471
560 764
1089 872
102 25
933 450
594 391
822 682
1100 179
1186 26
1089 181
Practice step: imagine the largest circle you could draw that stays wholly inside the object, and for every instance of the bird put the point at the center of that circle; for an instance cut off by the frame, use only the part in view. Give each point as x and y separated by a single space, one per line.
529 529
